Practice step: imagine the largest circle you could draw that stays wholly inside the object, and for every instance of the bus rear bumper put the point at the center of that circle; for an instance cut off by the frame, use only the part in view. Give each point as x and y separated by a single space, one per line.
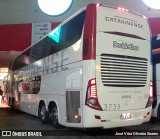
110 119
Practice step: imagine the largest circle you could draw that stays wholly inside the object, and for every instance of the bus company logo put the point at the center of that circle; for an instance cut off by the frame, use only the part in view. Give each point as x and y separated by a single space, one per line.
6 133
124 45
124 21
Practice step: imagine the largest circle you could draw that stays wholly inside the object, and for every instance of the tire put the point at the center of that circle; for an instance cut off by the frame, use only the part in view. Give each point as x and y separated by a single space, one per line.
54 117
43 114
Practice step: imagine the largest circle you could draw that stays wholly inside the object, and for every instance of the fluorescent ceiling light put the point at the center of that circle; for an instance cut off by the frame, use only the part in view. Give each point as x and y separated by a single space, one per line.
155 4
54 7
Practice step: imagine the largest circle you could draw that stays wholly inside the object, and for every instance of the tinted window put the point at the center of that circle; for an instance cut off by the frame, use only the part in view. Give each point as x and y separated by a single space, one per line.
69 33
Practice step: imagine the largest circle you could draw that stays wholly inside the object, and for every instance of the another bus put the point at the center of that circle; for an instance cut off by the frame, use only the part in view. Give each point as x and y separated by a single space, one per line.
93 70
156 75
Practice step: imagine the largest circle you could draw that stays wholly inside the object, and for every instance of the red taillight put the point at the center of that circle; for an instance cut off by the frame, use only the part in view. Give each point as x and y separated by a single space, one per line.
92 98
150 95
123 9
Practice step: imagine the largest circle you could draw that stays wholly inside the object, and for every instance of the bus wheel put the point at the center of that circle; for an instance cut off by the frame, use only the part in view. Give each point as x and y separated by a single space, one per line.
43 114
54 117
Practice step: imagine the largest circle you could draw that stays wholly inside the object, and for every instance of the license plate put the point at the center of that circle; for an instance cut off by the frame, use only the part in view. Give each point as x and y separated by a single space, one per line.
126 116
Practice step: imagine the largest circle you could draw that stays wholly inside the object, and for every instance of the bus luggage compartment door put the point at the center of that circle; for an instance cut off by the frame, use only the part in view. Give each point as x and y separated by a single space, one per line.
72 106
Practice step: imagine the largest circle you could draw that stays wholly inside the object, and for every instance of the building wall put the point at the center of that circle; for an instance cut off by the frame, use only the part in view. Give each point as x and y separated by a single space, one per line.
16 37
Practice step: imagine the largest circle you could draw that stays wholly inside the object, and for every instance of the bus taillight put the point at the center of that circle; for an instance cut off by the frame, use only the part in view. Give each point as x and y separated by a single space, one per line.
92 98
123 9
150 95
98 4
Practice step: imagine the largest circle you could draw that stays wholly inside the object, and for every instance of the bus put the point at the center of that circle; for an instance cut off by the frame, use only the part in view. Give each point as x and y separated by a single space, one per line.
91 71
156 75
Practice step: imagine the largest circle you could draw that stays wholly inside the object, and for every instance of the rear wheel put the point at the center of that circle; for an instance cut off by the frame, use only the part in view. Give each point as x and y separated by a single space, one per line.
54 117
43 114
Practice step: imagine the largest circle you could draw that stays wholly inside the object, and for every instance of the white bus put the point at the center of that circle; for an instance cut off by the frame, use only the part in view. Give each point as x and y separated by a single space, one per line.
156 75
93 70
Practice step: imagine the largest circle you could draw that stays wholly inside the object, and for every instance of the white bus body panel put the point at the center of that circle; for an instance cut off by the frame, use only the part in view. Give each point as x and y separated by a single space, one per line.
62 72
132 100
129 97
110 119
110 19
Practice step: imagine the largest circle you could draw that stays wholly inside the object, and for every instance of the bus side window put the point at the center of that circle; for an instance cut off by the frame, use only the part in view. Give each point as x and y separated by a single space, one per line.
35 85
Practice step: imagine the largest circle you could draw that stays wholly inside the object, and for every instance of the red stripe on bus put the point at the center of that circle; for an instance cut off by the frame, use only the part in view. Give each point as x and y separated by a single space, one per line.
89 36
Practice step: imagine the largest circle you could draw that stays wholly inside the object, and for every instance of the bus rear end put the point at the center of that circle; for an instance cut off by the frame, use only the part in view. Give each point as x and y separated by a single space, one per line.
117 81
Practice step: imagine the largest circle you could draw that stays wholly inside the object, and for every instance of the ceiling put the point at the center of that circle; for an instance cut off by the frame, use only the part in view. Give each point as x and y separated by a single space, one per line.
28 11
6 57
